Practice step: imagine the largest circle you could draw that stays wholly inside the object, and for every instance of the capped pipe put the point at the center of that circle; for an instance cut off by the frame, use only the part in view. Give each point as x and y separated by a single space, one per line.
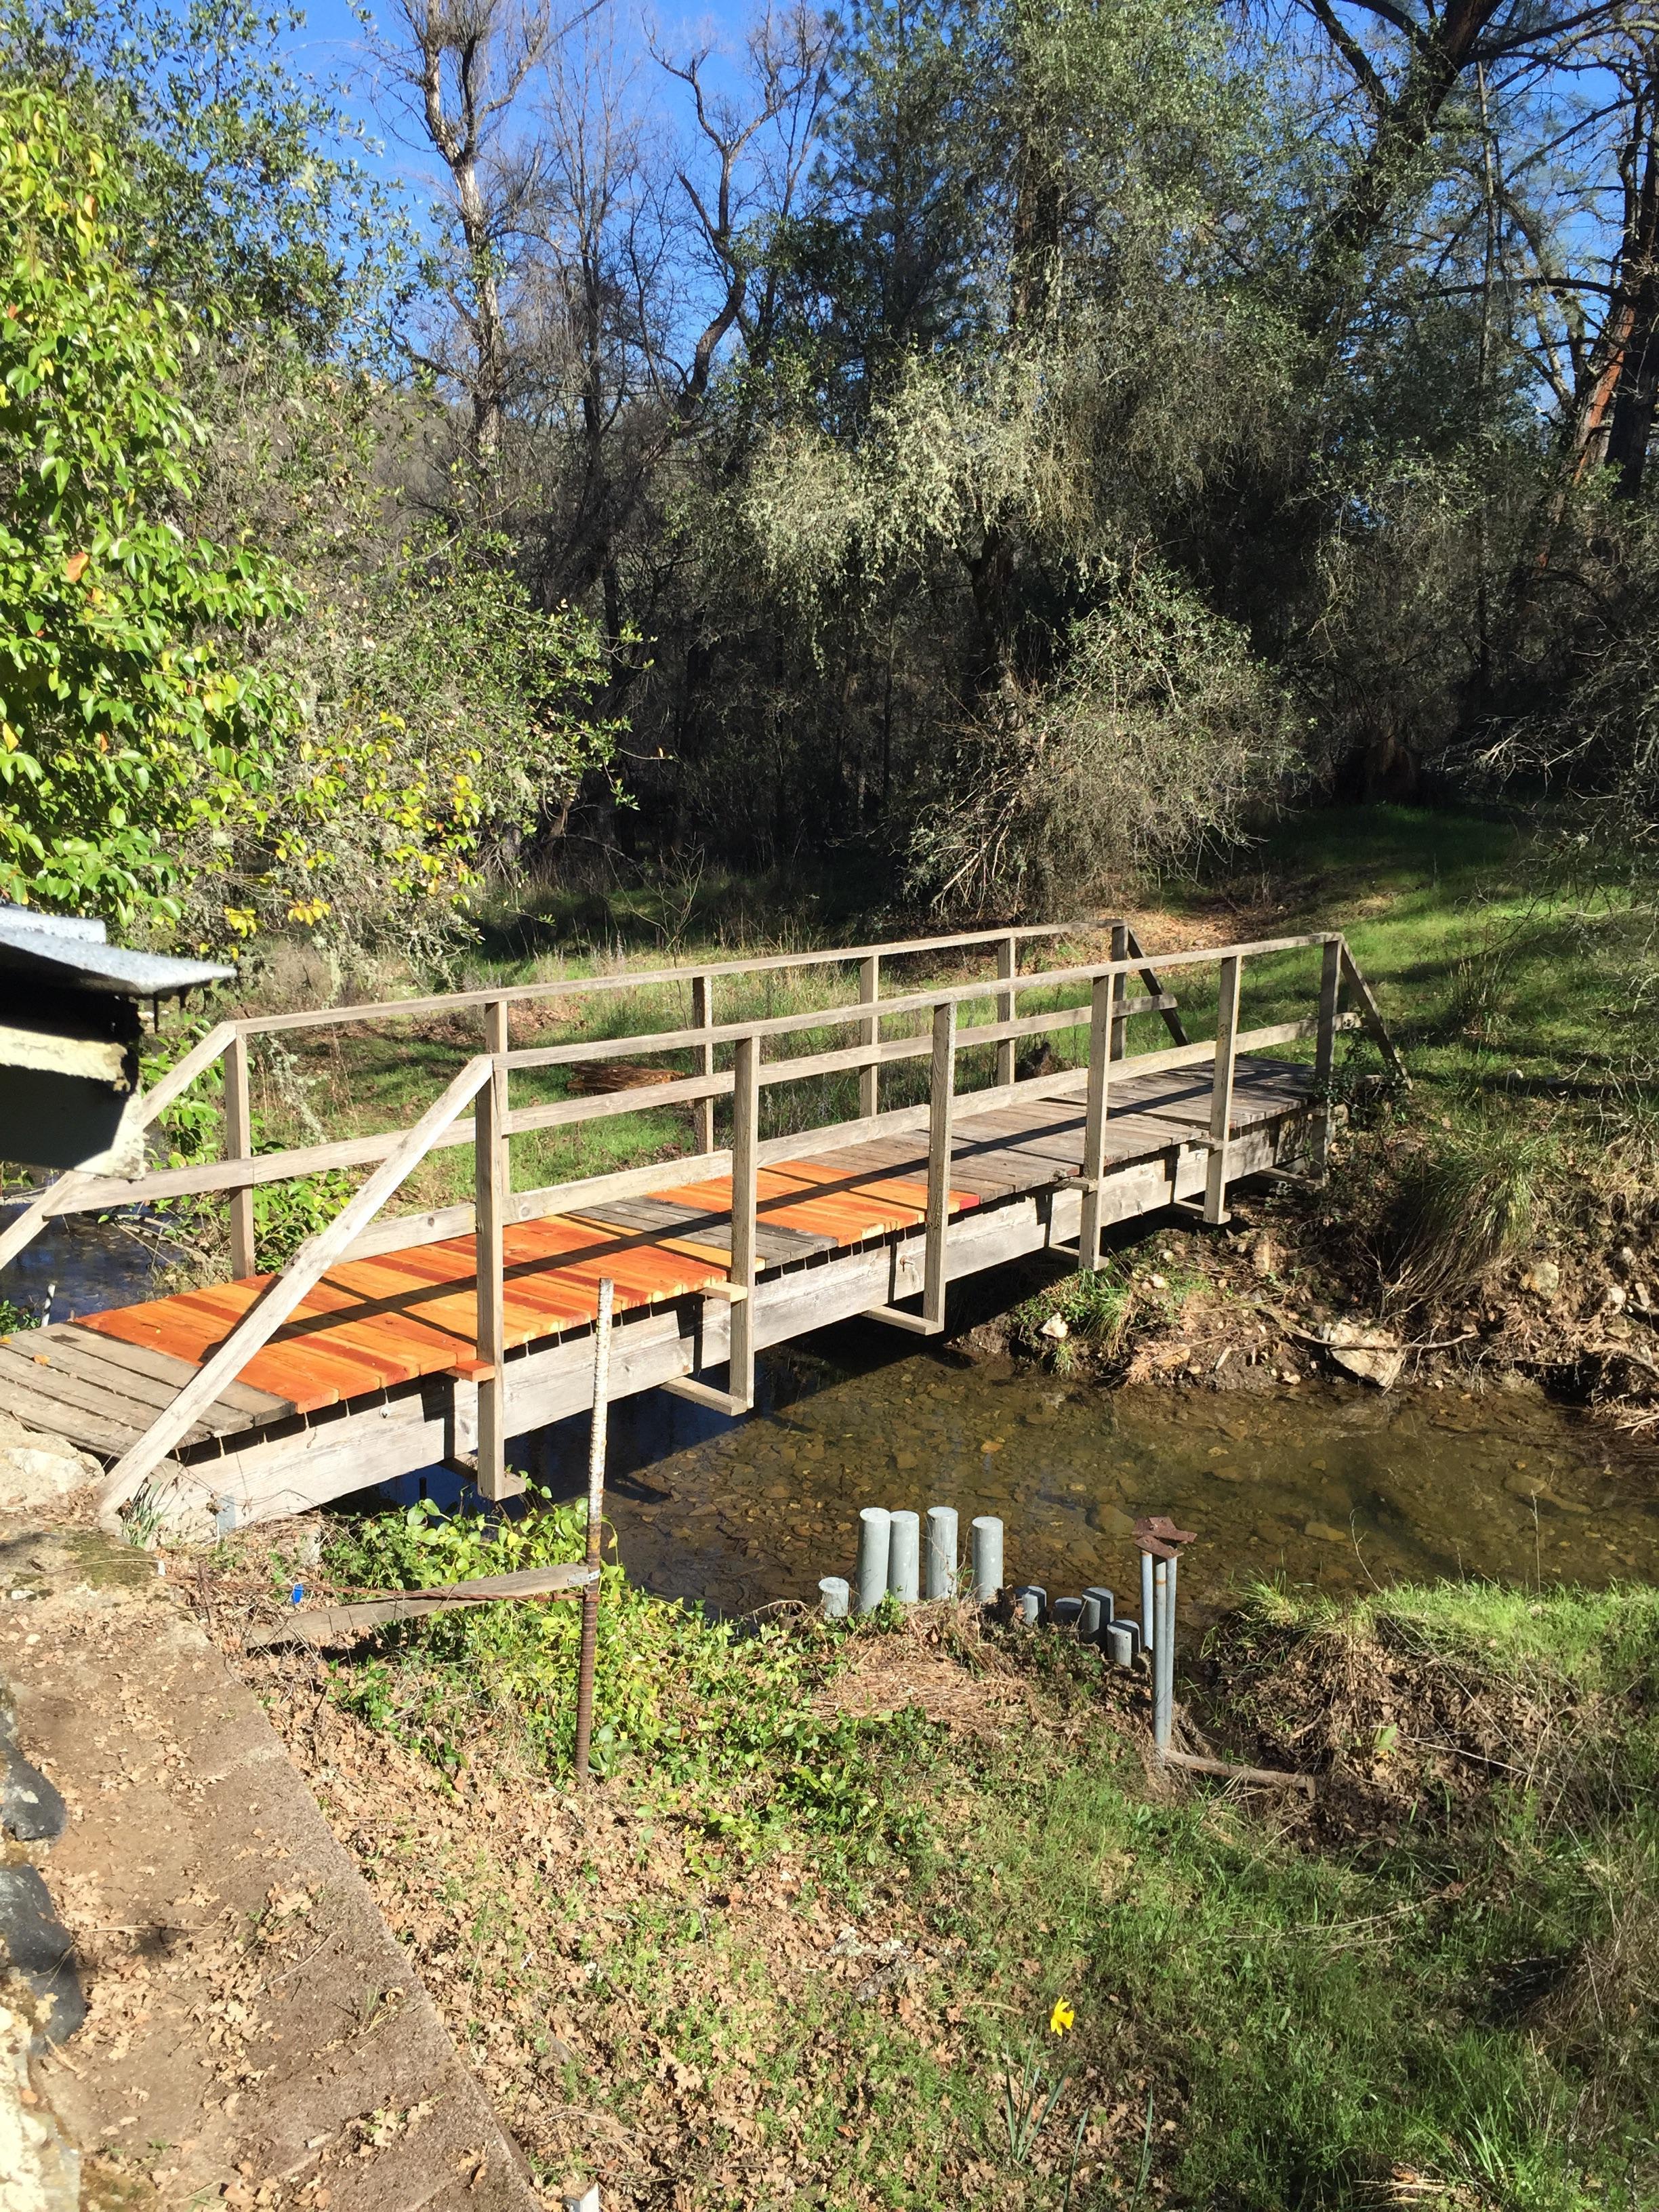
987 1557
835 1593
904 1556
1122 1642
939 1558
1066 1611
1029 1599
1106 1603
875 1524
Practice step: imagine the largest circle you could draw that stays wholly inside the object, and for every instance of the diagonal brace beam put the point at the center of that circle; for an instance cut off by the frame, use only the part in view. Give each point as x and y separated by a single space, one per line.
302 1273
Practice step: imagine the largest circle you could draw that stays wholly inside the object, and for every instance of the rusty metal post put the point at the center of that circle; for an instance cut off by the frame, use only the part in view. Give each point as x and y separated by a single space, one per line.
596 1441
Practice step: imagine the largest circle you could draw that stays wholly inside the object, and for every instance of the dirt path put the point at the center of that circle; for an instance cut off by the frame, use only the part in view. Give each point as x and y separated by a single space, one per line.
252 2032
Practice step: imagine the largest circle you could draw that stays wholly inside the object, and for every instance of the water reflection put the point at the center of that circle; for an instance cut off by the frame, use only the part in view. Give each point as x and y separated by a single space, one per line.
78 1265
1326 1485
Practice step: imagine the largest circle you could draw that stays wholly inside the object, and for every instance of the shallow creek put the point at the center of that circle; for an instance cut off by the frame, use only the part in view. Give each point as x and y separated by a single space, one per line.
1326 1486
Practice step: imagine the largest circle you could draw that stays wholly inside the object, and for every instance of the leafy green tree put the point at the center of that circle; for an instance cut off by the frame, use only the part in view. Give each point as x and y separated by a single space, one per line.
134 719
446 718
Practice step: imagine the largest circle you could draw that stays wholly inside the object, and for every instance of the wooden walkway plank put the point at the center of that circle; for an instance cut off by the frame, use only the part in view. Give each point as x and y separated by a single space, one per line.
97 1428
32 1372
89 1363
259 1406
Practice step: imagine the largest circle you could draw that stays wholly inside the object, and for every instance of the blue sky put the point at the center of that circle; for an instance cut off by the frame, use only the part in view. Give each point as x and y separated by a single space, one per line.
333 49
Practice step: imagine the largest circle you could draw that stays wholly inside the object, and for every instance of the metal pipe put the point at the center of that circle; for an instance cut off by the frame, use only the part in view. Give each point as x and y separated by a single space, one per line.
1105 1611
904 1556
939 1559
1148 1625
987 1557
1160 1647
596 1448
837 1595
875 1524
1166 1650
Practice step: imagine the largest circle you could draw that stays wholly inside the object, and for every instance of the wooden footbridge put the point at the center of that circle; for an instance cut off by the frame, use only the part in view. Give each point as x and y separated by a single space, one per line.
392 1342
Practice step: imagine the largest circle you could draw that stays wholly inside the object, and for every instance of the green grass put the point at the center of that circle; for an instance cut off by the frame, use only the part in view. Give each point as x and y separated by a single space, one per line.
1496 967
1460 1978
1518 993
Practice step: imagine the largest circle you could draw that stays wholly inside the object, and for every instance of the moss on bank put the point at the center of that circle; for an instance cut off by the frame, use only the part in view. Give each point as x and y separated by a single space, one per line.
803 1943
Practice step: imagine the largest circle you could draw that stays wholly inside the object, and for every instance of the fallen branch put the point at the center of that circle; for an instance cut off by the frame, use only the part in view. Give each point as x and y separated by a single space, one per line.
328 1623
1260 1777
1323 1343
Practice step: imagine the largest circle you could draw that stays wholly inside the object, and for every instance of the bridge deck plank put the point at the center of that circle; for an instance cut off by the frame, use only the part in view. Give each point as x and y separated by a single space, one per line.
372 1326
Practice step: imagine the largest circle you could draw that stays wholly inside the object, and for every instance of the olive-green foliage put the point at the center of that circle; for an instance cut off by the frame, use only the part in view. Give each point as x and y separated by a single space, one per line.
722 1711
1161 736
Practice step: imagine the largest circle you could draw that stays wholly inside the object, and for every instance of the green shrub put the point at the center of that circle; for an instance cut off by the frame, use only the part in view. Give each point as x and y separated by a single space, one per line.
724 1711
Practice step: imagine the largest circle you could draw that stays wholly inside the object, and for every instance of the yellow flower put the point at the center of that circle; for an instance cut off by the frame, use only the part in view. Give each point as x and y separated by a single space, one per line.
1060 2018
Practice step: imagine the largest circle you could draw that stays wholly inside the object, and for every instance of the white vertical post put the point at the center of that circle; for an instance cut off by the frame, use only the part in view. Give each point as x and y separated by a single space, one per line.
703 1018
1162 1655
745 1193
939 1559
492 1181
1221 1093
870 1033
1101 1028
238 1145
941 1102
1007 967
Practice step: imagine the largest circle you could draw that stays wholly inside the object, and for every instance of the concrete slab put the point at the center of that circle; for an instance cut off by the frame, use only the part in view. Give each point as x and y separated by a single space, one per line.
253 2032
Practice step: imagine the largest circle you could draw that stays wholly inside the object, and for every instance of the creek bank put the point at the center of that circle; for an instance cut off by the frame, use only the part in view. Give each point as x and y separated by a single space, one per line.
825 1975
1297 1285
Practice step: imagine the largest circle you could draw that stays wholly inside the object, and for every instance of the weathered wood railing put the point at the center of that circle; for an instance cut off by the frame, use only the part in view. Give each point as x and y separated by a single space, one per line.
361 1230
239 1171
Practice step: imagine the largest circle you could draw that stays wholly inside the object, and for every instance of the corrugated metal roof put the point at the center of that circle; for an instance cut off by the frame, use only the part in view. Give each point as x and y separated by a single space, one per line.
74 955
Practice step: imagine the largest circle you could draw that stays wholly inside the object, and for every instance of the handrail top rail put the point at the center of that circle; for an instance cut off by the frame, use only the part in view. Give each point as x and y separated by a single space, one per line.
560 1055
767 964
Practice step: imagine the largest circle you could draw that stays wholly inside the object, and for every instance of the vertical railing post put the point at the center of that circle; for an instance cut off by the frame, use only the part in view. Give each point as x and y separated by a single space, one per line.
941 1104
238 1145
598 1431
1221 1091
1101 1028
1330 990
745 1193
703 1018
1119 992
870 1033
1007 967
492 1181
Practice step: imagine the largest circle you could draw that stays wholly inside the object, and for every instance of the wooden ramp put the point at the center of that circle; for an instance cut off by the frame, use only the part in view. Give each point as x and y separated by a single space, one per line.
375 1373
